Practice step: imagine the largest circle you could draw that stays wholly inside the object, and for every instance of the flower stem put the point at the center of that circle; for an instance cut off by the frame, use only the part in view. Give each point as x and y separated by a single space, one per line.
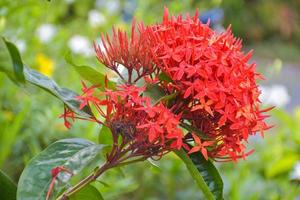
90 178
116 160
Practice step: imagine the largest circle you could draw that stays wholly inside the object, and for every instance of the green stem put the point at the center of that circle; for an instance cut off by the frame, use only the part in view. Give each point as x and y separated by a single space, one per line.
90 178
195 173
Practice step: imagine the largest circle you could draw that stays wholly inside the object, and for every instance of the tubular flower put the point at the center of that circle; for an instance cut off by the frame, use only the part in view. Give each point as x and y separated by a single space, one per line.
131 53
215 84
208 85
149 131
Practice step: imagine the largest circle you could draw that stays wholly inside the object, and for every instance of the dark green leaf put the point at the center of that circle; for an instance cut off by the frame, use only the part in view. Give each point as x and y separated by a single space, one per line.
87 193
209 173
11 64
204 173
65 95
90 74
17 61
10 61
8 189
74 154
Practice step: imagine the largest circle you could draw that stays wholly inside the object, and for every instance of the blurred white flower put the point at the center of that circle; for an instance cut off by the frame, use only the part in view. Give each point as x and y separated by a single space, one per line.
276 95
21 44
96 18
295 175
80 45
46 32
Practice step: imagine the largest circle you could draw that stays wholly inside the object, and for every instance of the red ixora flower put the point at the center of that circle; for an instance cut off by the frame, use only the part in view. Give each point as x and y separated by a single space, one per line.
210 79
149 131
131 53
216 84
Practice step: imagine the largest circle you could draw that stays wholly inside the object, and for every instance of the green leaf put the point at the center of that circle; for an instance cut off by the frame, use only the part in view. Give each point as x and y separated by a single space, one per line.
9 133
204 173
90 74
74 154
105 135
65 95
87 193
8 188
11 64
283 165
17 61
155 92
164 77
195 130
10 61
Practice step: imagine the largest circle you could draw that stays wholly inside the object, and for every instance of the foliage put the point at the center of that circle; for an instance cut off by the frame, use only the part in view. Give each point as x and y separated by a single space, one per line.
62 154
32 123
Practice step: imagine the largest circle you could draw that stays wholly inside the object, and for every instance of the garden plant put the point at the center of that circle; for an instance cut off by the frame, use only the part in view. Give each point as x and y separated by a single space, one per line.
174 86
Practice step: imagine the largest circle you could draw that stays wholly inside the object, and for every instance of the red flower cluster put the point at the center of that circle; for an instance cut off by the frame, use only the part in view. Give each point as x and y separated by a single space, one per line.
149 130
132 53
214 80
211 89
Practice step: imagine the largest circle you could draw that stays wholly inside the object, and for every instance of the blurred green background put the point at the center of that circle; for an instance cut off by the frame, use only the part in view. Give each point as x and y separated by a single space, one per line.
45 31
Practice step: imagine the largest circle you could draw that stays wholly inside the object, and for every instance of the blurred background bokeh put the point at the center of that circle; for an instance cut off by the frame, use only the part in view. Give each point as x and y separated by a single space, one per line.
45 31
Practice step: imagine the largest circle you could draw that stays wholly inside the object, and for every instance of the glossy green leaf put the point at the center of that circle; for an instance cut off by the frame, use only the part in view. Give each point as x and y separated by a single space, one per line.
11 64
10 61
204 173
8 188
90 74
87 193
64 94
74 154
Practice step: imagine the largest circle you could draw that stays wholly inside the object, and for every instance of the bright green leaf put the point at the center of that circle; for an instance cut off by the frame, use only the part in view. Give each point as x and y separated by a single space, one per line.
74 154
8 189
87 193
204 173
282 165
90 74
105 135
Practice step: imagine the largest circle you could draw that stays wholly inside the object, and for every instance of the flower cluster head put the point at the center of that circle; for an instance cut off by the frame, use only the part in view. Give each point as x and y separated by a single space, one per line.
208 84
121 51
145 129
